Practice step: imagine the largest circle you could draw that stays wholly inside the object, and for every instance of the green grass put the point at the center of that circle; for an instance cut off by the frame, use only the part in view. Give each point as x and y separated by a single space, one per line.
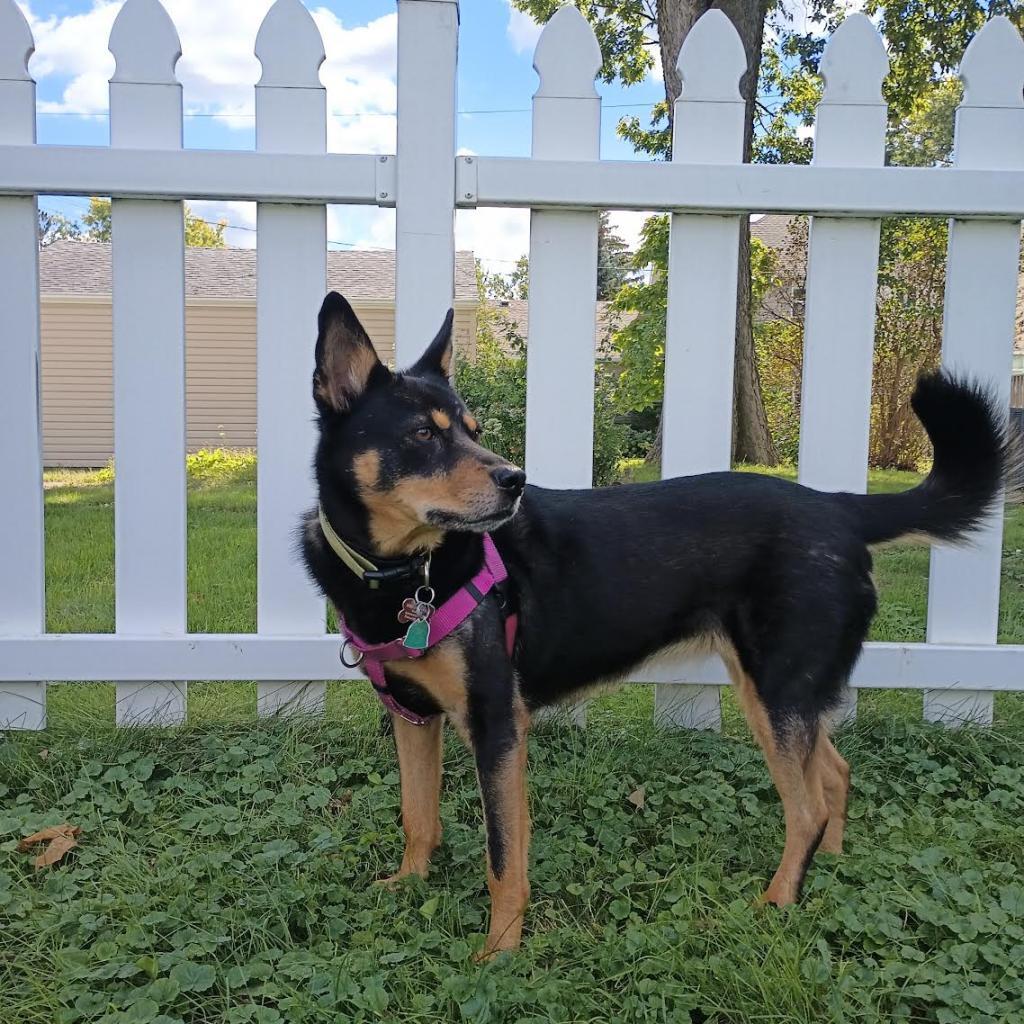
225 868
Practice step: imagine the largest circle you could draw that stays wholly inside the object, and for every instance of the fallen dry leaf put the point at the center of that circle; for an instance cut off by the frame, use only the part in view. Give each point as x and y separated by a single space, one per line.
338 804
638 797
59 839
44 754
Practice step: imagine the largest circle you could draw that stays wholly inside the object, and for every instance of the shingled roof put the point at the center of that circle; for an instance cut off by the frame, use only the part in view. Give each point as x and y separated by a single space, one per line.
71 268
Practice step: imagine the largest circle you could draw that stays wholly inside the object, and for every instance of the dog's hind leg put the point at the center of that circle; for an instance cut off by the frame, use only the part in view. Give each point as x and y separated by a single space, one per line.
834 773
419 761
789 753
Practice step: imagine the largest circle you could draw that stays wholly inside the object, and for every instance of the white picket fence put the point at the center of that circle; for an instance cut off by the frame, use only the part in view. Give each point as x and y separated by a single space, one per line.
151 657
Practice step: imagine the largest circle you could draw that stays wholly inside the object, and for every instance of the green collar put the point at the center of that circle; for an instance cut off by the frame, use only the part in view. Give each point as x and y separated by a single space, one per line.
372 573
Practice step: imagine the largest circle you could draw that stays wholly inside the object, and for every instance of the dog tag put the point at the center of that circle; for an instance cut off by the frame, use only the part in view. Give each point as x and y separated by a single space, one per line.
417 636
417 611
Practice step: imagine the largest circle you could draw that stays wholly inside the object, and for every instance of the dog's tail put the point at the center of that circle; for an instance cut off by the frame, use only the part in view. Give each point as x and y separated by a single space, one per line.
972 461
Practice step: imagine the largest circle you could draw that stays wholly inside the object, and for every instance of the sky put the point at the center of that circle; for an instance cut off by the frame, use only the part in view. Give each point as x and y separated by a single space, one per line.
496 82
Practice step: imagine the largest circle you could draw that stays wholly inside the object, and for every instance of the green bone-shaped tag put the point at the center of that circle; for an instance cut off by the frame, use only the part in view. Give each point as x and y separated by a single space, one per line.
417 636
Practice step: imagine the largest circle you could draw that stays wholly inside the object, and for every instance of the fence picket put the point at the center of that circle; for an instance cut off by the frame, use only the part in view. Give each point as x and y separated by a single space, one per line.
700 324
563 268
842 277
428 41
978 329
149 361
291 275
22 599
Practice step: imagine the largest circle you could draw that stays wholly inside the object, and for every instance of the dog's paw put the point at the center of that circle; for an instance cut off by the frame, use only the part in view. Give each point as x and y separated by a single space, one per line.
399 876
490 953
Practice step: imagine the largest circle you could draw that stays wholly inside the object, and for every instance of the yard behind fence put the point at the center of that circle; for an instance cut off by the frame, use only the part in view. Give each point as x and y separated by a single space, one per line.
706 188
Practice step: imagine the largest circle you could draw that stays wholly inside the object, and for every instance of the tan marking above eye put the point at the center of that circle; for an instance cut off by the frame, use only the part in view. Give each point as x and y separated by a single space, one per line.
471 424
441 418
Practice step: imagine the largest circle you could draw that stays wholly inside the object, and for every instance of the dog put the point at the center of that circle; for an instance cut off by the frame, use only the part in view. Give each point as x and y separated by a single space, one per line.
772 575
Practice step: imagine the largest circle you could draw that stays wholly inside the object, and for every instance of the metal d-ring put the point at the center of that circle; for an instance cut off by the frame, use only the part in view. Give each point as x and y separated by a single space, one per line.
350 664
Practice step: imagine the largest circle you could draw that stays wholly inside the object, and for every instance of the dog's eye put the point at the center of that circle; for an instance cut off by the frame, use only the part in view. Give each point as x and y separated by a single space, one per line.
423 433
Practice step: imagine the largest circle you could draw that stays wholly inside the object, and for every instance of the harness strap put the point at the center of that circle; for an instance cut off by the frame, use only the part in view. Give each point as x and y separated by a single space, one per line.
443 623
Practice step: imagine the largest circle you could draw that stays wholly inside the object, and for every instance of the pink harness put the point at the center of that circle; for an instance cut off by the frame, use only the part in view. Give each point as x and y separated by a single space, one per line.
443 622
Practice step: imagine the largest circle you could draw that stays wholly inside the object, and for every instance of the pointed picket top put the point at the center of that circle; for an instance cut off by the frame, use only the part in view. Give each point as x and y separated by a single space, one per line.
567 57
145 44
16 43
712 59
992 68
289 47
854 64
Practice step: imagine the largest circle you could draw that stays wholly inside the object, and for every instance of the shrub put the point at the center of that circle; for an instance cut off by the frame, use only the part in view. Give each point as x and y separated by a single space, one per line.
494 388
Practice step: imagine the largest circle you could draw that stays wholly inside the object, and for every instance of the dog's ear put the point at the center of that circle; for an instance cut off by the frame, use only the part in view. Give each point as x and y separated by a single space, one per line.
438 356
346 362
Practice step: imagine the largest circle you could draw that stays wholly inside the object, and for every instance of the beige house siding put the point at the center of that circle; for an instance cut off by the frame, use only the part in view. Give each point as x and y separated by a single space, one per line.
77 393
77 383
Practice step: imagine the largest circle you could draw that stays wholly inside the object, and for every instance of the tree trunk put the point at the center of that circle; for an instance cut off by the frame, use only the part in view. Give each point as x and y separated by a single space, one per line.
752 441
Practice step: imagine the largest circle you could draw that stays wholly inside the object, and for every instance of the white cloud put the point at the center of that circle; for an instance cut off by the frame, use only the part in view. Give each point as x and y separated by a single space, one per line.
497 235
627 224
241 219
523 32
218 69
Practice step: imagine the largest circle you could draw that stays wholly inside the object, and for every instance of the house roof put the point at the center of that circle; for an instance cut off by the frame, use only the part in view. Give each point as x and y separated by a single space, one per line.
71 268
514 315
772 229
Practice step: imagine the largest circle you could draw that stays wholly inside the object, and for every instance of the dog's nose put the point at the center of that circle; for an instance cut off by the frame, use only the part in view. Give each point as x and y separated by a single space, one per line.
510 479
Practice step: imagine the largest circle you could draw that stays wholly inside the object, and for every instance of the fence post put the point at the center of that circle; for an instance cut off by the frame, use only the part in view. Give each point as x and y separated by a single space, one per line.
978 328
842 278
700 329
22 601
148 283
563 268
291 275
428 37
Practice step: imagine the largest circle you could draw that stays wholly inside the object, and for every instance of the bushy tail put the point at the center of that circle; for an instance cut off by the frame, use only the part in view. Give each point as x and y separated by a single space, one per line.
971 464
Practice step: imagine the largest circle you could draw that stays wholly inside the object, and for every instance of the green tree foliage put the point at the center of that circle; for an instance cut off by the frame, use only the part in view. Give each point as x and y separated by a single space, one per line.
55 227
494 387
198 232
909 302
614 260
627 31
925 40
614 269
496 286
641 343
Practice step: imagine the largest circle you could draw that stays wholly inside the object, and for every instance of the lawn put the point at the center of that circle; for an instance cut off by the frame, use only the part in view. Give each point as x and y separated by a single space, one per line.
225 868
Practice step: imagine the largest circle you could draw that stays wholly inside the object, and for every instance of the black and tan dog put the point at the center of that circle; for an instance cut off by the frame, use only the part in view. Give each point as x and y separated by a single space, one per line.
772 575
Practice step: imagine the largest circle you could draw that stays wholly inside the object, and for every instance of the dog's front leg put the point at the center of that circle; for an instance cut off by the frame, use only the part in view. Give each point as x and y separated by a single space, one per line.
499 746
419 762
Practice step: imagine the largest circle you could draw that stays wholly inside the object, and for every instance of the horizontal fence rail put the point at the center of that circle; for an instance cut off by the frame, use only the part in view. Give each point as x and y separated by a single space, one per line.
198 174
344 179
244 656
707 190
735 188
